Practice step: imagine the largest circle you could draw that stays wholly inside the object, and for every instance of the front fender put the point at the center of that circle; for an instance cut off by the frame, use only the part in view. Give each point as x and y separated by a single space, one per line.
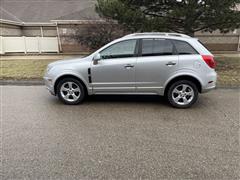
72 72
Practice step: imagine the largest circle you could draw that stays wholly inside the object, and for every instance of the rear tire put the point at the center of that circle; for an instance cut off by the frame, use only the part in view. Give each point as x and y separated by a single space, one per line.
70 91
182 94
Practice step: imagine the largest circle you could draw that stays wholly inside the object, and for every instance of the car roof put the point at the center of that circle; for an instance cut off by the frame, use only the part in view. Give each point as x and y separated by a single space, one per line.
157 35
174 36
161 35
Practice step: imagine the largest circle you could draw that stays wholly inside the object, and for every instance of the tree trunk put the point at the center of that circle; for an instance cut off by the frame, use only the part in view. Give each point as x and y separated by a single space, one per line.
188 31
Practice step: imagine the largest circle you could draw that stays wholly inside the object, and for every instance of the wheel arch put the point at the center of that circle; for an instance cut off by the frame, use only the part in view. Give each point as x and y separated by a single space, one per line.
184 77
69 76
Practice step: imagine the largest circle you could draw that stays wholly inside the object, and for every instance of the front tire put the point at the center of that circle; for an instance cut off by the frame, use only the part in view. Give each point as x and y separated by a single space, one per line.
70 91
182 94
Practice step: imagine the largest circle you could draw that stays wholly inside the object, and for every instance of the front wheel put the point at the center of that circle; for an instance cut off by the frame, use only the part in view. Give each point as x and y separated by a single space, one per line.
182 94
70 91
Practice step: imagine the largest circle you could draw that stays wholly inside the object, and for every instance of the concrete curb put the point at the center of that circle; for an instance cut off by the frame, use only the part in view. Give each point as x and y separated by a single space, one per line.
40 83
21 82
228 87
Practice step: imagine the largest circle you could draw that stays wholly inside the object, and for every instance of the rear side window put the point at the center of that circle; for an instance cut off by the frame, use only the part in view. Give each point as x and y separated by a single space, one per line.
184 48
156 47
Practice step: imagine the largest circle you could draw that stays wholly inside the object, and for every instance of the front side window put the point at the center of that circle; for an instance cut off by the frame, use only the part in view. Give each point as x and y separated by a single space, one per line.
120 50
157 47
184 48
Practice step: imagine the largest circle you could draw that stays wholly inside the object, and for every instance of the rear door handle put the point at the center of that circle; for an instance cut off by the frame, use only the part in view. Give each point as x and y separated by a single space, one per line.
171 63
128 66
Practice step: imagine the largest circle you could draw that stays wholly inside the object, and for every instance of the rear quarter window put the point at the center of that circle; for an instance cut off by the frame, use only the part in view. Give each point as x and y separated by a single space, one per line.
184 48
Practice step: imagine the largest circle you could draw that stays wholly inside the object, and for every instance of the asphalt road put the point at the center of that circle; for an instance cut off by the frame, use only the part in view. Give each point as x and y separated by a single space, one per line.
118 137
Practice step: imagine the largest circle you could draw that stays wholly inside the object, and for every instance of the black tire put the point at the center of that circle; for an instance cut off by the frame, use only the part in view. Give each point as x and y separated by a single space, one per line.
75 82
178 84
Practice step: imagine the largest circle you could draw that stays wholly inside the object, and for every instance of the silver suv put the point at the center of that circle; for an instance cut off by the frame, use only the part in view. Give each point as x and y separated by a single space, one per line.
174 65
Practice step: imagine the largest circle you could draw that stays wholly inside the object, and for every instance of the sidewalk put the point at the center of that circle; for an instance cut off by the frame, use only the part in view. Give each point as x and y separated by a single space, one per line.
228 55
38 57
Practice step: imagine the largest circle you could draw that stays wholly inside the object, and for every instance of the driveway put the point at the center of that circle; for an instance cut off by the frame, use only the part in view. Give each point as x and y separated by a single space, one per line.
118 137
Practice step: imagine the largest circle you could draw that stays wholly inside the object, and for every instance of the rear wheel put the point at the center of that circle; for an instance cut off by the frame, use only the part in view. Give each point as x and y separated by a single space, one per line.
182 94
70 91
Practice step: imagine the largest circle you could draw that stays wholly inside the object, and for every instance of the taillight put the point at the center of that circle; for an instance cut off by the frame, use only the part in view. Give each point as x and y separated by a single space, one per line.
209 60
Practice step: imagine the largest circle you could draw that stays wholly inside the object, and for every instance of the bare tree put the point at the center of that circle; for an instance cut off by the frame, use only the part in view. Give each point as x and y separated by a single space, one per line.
98 34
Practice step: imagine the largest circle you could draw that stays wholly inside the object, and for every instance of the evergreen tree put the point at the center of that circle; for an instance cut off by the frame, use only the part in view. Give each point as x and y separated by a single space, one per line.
182 16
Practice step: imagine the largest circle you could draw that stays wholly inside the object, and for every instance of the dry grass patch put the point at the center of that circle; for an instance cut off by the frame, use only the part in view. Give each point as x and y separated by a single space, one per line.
228 69
23 69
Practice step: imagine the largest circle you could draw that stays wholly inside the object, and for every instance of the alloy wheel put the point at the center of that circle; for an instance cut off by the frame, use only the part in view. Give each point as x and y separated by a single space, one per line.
70 91
183 94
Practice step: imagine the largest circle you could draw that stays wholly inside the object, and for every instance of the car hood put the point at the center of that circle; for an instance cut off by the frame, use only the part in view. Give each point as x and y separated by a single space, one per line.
68 61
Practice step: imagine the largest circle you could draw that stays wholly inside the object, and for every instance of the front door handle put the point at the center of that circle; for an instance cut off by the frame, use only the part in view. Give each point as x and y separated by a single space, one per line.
128 66
171 63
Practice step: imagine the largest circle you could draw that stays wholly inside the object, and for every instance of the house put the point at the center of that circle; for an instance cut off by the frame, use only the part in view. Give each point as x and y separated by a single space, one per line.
37 24
48 26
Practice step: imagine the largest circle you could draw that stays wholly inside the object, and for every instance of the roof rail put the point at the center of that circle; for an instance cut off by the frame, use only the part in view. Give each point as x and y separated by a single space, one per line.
157 34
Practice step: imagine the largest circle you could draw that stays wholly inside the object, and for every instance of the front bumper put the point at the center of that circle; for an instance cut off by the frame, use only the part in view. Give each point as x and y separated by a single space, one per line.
49 85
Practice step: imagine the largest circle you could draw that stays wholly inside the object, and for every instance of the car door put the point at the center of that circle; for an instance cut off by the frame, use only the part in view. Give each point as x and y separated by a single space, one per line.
115 72
157 61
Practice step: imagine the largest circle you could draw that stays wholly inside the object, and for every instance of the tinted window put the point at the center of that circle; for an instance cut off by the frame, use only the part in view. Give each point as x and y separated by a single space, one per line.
156 47
203 45
120 50
184 48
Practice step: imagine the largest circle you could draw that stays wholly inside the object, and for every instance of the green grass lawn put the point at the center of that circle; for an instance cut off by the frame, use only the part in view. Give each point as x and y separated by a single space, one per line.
228 70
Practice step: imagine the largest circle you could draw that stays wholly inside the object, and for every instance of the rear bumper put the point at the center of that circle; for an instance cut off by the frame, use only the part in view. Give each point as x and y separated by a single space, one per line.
211 83
205 90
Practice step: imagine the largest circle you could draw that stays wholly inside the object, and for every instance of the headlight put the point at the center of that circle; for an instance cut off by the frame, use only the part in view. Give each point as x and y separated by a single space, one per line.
49 68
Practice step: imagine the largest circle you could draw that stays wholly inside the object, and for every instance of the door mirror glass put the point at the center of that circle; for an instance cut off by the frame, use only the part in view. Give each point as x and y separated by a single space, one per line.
96 58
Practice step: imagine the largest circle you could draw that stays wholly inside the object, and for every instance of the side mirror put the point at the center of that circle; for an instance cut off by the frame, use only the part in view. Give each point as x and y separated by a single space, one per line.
96 58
